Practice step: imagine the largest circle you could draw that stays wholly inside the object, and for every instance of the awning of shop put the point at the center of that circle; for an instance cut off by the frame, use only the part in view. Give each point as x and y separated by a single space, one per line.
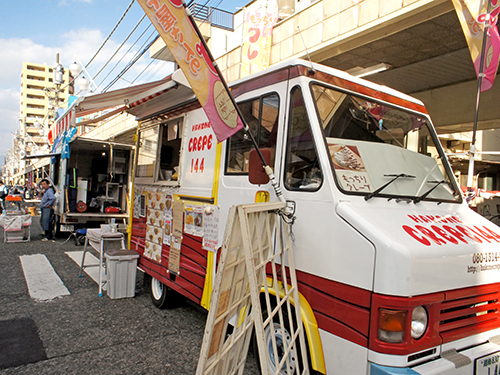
124 97
127 97
40 156
165 101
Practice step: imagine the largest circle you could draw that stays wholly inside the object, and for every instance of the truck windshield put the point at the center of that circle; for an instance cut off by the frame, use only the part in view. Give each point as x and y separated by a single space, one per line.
369 142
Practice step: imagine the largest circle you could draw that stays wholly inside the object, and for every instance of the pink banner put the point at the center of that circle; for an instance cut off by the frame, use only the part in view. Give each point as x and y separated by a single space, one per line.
179 34
472 15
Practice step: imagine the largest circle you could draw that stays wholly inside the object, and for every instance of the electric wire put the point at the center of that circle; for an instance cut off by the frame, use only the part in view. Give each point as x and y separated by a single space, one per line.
134 59
112 31
143 70
123 43
101 47
158 69
129 65
126 53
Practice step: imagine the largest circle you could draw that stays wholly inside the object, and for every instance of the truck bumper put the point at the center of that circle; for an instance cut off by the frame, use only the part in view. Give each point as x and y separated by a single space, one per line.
478 360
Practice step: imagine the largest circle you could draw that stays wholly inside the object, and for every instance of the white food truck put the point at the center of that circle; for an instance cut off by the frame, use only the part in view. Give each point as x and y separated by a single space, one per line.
92 182
396 274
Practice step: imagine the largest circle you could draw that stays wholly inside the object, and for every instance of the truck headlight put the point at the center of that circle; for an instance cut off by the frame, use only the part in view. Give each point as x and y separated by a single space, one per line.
419 320
391 325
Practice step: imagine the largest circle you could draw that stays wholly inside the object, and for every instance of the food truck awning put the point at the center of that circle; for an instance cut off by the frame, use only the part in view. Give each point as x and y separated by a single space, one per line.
126 98
166 101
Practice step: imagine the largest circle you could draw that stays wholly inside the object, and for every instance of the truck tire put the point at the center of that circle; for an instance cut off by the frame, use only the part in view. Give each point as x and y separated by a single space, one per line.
295 357
162 296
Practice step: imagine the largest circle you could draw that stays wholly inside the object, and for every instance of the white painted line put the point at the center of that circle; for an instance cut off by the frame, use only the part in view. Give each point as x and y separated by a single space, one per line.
90 260
43 282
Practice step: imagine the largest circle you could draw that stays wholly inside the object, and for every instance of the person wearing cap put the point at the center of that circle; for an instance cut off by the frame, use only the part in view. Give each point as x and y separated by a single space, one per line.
47 208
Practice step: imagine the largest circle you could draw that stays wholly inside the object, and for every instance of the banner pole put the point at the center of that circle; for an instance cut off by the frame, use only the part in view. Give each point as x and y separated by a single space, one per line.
267 168
487 25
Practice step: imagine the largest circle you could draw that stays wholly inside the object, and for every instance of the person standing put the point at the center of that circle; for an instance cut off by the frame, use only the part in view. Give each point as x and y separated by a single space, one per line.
47 208
3 195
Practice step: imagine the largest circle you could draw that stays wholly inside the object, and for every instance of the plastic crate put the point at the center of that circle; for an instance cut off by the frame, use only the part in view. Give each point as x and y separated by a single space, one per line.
121 269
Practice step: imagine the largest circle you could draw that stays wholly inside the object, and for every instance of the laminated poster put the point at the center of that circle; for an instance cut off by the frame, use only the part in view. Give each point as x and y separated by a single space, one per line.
211 228
168 206
174 258
177 218
193 222
155 222
137 204
350 168
167 231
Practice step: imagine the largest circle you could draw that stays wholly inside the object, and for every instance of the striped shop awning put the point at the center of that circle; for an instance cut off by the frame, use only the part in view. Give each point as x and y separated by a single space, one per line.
61 125
125 99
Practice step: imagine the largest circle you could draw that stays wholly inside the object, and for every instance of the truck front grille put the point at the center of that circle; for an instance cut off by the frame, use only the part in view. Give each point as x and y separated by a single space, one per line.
469 311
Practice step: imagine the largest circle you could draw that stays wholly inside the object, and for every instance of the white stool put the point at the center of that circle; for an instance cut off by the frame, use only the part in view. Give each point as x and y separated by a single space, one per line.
98 240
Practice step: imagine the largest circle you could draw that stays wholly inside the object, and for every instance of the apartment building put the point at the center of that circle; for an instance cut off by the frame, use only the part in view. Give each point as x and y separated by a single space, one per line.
36 81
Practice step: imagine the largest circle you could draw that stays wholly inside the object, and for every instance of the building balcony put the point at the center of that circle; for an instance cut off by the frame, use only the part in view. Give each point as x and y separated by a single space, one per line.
213 16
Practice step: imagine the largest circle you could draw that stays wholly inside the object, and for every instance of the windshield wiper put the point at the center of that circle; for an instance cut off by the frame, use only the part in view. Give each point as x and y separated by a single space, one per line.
396 176
423 196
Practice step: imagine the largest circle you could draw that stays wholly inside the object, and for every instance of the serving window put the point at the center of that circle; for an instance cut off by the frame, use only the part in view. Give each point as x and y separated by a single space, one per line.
159 152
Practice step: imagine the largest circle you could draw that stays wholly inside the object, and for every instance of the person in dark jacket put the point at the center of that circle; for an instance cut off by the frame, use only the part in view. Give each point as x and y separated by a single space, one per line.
47 208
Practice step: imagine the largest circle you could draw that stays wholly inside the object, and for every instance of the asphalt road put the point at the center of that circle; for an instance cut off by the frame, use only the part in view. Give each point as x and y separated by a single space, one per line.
82 333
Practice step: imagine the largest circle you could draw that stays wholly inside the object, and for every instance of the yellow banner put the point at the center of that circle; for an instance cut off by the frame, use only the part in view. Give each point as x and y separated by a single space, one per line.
257 43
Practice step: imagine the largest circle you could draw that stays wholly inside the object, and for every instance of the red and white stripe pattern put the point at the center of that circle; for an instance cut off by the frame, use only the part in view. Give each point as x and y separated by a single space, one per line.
60 126
147 98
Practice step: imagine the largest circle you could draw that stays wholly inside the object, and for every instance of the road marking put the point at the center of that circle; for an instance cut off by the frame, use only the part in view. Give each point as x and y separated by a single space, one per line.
91 264
43 282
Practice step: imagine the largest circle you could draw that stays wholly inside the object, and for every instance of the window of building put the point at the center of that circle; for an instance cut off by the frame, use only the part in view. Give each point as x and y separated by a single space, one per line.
33 87
261 115
35 68
37 97
35 78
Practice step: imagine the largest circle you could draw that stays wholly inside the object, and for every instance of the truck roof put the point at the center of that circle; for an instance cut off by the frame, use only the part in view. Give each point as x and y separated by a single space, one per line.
296 67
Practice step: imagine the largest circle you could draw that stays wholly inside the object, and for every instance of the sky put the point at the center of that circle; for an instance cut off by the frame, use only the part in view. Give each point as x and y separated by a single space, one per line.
37 30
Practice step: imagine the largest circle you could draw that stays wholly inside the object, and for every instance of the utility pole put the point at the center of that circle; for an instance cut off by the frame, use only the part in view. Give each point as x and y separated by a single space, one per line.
52 93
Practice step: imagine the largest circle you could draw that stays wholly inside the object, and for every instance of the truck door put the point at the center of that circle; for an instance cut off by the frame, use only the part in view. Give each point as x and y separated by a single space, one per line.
264 112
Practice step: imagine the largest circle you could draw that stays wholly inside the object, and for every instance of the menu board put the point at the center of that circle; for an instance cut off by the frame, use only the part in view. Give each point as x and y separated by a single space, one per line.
155 222
211 228
349 167
167 214
193 222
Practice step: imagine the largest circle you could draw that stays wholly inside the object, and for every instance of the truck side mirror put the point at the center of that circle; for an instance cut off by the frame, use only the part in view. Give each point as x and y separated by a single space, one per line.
256 173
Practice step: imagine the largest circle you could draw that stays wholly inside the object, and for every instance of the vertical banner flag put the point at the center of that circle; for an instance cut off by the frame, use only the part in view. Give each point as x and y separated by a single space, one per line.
472 16
257 42
179 34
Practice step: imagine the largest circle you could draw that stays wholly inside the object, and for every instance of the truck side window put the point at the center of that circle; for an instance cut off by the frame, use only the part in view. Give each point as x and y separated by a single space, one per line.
147 152
302 168
169 150
261 115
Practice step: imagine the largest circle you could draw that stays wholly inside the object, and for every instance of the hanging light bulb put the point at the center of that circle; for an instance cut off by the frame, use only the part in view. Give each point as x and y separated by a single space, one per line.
75 69
83 83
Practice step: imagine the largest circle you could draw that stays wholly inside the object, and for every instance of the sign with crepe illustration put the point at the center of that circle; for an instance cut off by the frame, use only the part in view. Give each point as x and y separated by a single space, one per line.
351 171
181 37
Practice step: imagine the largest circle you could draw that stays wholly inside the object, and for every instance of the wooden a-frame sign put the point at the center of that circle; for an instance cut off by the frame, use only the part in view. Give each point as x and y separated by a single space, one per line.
256 261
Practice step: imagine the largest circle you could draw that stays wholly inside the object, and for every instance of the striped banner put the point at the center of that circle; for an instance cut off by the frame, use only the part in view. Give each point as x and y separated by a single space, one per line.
60 126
